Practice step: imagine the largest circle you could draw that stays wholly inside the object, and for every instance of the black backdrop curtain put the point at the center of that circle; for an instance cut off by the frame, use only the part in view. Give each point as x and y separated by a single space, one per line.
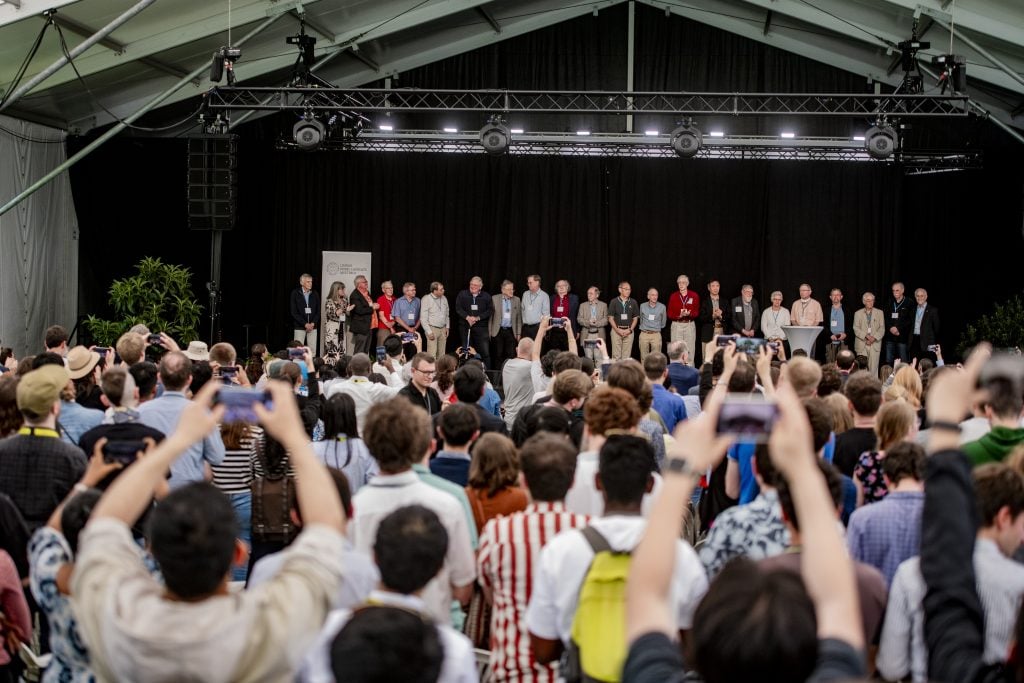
448 217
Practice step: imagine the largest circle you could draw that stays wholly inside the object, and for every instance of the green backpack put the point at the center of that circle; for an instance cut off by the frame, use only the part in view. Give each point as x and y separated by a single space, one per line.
597 651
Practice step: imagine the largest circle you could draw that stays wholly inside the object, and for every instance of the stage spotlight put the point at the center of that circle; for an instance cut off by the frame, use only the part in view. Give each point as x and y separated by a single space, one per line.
687 140
495 137
880 141
309 133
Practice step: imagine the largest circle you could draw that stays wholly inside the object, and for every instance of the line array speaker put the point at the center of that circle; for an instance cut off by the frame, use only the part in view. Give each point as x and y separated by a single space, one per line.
212 186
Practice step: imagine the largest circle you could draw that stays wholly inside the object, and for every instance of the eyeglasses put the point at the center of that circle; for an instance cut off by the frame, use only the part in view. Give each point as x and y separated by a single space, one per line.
426 372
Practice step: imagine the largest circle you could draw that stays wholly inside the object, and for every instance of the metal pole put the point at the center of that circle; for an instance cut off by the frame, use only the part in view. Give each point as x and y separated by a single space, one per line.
323 60
124 124
984 53
630 54
79 49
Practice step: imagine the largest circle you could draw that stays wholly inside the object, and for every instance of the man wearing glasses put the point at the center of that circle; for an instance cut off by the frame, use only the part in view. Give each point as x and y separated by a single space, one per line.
418 390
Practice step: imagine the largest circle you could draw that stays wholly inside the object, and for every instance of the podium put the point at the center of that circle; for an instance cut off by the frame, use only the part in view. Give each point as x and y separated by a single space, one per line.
802 337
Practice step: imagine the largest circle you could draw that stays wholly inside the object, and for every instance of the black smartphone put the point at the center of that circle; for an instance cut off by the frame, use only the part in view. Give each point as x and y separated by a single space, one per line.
749 418
723 340
296 353
154 339
557 322
238 402
408 338
382 353
604 370
102 350
750 345
124 452
590 343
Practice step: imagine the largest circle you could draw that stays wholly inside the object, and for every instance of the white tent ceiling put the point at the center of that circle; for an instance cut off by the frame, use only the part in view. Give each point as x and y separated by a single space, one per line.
371 39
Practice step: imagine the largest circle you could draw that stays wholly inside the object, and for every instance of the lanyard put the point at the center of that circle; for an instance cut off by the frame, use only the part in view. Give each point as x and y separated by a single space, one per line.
896 306
39 431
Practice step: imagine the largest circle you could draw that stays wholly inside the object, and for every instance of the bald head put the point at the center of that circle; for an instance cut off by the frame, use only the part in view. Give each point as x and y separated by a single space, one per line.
525 348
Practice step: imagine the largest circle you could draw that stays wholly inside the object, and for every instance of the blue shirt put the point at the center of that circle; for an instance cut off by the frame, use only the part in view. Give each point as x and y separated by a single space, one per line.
917 319
491 401
76 420
670 406
403 308
535 306
886 533
837 320
506 312
441 484
163 413
743 454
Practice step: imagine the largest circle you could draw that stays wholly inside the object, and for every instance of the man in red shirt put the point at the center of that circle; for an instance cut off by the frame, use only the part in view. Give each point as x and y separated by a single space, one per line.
385 323
683 309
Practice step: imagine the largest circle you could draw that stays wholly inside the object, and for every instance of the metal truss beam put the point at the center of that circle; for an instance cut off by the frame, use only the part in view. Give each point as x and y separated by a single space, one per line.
634 145
563 102
209 20
995 18
11 12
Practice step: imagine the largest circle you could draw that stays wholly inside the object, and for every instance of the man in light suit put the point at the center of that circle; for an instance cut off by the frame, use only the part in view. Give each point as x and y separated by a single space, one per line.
592 319
506 324
746 313
868 329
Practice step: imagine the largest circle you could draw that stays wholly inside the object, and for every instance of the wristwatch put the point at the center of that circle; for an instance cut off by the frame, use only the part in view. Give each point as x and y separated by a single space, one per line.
681 466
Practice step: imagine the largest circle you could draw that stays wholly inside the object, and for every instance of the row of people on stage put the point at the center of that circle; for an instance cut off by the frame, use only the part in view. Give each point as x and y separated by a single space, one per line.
493 324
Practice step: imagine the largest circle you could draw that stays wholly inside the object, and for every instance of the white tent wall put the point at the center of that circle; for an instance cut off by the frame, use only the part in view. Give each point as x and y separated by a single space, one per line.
38 238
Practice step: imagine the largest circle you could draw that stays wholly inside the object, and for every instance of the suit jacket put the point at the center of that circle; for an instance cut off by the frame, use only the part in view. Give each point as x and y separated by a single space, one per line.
574 307
583 317
298 308
359 318
707 323
929 326
498 307
861 329
905 322
736 319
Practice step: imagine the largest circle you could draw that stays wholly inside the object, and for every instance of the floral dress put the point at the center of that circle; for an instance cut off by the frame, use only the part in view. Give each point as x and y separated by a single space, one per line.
334 328
869 473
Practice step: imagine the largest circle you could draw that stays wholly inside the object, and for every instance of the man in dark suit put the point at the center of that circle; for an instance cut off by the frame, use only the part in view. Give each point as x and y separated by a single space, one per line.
713 319
746 313
473 306
305 312
926 327
899 324
506 324
361 318
838 325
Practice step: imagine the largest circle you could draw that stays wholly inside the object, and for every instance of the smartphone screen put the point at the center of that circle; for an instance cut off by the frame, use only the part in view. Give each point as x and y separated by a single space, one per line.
749 418
381 354
123 452
238 403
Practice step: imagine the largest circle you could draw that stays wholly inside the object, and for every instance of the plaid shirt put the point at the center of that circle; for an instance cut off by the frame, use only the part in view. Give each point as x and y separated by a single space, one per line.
754 530
38 472
886 533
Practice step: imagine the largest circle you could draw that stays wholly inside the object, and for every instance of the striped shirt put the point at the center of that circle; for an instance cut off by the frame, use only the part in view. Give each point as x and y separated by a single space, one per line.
509 548
234 474
1000 585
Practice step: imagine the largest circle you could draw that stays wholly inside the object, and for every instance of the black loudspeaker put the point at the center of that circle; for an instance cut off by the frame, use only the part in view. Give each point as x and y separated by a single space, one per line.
212 186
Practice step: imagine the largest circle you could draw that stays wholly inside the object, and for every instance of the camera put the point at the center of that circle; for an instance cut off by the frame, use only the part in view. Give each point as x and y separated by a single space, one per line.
155 340
124 452
557 322
102 350
238 403
748 418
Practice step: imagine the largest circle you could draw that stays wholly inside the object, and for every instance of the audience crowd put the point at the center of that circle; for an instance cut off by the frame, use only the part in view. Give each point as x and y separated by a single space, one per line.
538 507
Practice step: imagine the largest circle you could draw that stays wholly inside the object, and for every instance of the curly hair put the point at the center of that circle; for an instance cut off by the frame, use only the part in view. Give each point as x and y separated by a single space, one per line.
610 408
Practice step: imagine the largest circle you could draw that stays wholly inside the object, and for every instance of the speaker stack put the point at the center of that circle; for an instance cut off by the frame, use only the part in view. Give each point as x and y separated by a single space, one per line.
212 186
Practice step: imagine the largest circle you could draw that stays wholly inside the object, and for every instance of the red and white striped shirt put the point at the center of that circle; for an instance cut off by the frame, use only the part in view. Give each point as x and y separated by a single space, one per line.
509 548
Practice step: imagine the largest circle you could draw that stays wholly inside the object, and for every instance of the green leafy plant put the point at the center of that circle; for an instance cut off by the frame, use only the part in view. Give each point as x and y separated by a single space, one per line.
159 296
1003 327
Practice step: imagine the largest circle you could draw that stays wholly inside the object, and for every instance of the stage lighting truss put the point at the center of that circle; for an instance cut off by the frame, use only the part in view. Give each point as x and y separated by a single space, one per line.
678 104
651 146
495 137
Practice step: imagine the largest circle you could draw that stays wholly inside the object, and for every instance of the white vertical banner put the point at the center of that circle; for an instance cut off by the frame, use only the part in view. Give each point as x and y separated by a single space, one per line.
342 266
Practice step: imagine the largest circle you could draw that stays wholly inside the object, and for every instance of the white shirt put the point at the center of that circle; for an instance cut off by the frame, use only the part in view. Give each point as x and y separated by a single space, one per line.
772 322
384 494
583 497
459 665
973 429
564 562
397 379
1000 584
364 392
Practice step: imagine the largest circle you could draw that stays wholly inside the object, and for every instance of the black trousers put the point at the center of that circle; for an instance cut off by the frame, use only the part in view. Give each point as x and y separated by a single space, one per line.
503 347
479 339
530 331
556 339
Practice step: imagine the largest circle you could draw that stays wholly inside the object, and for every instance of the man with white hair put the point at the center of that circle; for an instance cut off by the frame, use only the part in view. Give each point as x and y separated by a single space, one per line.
868 328
683 309
772 320
475 308
926 327
305 312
